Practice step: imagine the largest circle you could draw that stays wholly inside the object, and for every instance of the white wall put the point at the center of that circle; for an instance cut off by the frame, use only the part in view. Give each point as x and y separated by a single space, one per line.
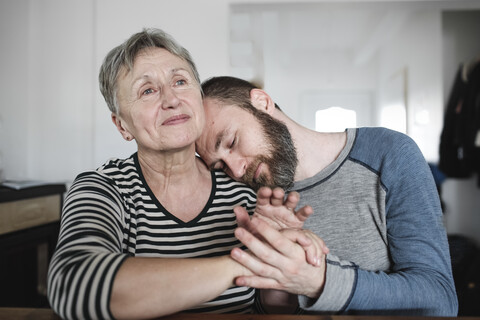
417 48
54 122
14 87
60 91
288 55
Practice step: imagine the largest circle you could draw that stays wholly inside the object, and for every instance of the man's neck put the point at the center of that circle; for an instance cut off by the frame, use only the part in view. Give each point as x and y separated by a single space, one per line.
315 150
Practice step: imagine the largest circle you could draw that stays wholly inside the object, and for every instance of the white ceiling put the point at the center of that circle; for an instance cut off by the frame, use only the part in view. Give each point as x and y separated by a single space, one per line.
356 26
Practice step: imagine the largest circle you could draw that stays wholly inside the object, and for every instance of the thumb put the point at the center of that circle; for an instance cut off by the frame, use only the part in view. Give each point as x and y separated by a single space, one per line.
243 219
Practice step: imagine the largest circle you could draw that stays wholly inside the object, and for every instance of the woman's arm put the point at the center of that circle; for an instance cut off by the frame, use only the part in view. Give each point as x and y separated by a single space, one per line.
92 276
153 287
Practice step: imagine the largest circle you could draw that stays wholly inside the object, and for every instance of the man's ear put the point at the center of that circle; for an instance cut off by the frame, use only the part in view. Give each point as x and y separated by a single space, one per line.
262 101
118 122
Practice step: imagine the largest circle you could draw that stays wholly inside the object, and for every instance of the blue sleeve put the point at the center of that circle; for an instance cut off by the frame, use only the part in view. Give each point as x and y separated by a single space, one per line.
420 281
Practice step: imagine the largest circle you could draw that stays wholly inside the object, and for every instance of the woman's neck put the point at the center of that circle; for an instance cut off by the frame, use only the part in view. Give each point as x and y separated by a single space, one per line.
169 168
180 181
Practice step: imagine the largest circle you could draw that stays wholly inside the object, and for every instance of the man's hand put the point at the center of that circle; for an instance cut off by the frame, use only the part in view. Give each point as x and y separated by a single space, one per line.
277 211
279 262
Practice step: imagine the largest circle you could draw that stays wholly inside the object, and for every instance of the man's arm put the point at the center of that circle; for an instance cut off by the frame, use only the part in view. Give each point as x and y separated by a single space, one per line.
279 212
420 281
279 262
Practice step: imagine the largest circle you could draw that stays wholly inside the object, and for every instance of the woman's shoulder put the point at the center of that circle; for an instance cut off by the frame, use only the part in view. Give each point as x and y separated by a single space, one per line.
225 183
114 169
118 164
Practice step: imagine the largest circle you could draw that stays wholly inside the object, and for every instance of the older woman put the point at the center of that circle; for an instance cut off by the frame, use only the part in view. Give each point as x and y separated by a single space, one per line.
131 228
161 202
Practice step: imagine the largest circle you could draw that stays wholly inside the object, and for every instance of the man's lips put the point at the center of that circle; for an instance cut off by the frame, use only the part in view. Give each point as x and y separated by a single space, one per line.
181 118
258 171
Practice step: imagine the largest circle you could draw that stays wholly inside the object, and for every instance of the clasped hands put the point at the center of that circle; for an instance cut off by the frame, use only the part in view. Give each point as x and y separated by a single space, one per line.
280 254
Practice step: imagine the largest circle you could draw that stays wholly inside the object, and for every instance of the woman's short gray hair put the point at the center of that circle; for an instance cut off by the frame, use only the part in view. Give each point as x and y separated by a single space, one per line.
124 55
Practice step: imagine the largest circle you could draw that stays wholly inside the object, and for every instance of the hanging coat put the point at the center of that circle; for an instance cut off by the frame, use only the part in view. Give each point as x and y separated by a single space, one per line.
460 139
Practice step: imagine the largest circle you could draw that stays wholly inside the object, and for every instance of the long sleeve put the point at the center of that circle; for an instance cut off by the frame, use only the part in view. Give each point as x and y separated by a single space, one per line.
89 250
111 214
420 281
389 250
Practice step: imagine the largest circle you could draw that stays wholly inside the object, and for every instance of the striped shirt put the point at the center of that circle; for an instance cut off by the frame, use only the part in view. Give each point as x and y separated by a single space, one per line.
110 214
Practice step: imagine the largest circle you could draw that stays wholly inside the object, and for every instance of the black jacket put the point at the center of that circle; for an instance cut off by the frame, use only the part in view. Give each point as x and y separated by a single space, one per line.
460 139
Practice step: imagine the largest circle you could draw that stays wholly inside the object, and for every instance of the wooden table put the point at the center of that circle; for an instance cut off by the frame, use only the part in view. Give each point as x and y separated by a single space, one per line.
29 225
48 314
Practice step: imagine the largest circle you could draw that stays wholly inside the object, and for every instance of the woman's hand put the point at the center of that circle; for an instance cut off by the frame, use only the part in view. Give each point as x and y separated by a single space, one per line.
278 211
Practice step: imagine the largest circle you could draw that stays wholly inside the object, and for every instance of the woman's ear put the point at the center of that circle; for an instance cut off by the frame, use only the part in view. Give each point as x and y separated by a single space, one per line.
262 101
118 122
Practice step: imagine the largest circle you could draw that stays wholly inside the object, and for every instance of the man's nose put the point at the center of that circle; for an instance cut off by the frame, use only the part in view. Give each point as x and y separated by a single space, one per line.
236 165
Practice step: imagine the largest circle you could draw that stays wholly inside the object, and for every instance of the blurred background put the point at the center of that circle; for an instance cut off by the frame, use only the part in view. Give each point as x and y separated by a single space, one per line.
328 64
354 63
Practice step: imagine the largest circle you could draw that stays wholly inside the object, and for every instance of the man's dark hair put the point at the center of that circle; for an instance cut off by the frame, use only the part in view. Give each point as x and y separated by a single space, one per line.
230 91
283 155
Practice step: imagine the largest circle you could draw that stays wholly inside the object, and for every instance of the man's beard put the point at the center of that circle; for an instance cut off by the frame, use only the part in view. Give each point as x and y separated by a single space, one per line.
280 157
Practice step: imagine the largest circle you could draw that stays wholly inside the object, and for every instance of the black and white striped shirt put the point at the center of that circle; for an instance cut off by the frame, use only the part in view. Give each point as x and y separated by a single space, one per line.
111 213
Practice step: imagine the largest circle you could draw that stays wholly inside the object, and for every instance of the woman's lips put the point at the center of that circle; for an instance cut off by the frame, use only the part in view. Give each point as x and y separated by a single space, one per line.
181 118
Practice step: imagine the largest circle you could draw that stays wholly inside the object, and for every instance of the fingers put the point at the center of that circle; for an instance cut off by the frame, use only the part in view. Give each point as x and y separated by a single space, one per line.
243 219
279 263
275 240
277 198
263 196
278 210
314 247
297 236
257 282
269 256
304 213
292 200
315 253
315 241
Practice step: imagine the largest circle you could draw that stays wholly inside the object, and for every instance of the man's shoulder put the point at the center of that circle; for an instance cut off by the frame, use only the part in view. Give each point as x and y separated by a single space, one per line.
382 139
379 147
380 132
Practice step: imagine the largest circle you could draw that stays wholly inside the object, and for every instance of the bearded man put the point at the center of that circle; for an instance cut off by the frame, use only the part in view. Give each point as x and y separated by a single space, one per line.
374 200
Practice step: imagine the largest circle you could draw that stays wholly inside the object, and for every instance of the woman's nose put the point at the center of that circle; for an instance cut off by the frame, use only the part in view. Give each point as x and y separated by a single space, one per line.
170 98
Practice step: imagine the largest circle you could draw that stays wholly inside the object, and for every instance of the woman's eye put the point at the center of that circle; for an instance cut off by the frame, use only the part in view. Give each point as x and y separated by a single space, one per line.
180 82
148 91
